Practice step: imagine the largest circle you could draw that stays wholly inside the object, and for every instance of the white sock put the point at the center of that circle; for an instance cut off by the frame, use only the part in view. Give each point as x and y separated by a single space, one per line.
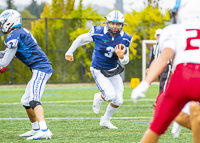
43 125
109 112
35 125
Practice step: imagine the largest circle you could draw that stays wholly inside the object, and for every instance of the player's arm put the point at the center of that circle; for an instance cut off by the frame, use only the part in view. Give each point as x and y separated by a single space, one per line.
159 64
125 58
80 40
5 58
8 56
168 48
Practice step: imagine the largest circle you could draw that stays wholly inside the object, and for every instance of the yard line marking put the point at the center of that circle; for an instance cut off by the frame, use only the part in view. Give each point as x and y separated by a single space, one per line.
74 101
150 105
78 118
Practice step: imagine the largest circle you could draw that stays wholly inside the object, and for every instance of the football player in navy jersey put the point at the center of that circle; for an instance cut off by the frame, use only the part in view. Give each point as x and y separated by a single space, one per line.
21 43
105 68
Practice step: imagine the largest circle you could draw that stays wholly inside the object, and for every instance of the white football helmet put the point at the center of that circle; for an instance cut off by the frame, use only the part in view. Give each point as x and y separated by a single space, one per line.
189 11
186 11
9 19
115 17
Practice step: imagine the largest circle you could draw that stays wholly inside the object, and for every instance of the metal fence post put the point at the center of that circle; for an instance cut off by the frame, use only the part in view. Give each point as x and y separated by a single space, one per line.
11 72
46 36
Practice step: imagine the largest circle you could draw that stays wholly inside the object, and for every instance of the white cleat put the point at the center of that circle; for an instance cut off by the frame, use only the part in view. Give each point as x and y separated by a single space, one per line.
176 129
41 135
106 123
96 103
29 133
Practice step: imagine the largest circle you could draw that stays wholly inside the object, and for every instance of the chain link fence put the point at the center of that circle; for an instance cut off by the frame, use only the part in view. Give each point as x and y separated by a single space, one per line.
55 41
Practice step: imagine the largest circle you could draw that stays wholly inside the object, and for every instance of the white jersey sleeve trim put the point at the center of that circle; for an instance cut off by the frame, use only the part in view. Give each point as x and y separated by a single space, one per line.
80 40
8 56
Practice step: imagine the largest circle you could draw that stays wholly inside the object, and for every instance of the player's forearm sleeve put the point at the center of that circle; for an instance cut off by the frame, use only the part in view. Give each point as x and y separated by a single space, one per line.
125 60
8 56
1 54
80 40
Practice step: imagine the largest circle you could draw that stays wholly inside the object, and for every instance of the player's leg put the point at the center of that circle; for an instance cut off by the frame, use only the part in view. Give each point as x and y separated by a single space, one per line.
163 117
38 89
29 111
104 84
195 120
150 137
118 100
106 93
182 119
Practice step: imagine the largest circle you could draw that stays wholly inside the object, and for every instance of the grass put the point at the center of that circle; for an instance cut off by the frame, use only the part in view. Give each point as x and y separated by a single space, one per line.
71 119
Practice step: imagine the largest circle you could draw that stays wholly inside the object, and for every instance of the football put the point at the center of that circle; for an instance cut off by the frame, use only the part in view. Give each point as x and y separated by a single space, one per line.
121 45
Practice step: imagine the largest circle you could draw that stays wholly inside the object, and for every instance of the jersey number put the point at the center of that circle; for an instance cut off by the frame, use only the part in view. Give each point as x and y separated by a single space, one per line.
110 52
189 46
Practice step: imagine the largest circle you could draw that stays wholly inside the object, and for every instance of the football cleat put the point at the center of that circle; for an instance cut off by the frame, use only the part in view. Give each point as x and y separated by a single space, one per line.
30 133
42 134
96 104
106 123
176 129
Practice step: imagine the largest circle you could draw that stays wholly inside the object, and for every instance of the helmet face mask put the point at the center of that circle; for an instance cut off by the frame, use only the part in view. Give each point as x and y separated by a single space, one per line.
9 19
2 30
115 22
115 28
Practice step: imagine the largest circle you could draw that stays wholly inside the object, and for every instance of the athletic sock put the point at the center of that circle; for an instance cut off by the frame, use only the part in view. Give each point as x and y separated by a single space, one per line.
109 112
35 125
43 125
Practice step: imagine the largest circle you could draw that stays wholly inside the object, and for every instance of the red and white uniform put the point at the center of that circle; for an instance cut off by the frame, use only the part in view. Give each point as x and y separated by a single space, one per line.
183 86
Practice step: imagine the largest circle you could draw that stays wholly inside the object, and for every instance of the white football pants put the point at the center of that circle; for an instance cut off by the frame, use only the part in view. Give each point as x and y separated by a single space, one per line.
112 88
35 87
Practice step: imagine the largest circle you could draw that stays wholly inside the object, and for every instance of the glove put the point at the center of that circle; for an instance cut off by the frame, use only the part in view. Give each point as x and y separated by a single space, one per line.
139 91
3 69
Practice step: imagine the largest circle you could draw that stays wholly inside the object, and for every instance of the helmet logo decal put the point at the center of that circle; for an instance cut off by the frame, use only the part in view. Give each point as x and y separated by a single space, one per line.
6 15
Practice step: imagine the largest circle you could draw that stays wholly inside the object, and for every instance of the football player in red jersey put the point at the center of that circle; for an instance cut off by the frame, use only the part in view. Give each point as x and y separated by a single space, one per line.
182 41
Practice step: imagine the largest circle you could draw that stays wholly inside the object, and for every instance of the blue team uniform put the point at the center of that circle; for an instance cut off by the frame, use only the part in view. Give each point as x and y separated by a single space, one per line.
103 55
28 50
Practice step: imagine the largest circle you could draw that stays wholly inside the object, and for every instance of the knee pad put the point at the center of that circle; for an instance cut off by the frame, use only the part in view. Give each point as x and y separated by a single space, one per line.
33 104
118 102
27 107
110 97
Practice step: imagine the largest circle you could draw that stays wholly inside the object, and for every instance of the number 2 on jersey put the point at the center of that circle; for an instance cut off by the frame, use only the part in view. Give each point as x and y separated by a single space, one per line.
189 46
110 52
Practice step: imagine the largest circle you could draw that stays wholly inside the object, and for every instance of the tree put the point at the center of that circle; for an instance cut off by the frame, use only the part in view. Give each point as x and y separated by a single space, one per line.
35 9
10 4
141 26
64 25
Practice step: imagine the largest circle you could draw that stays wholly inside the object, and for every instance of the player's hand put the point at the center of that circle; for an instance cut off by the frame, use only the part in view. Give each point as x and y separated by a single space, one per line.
69 58
3 69
139 91
120 50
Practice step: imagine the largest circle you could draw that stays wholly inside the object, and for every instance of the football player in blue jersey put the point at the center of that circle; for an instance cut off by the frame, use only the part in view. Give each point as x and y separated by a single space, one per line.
105 68
21 43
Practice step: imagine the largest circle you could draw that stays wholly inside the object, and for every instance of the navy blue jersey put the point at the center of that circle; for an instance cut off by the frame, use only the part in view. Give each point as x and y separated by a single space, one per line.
28 50
103 55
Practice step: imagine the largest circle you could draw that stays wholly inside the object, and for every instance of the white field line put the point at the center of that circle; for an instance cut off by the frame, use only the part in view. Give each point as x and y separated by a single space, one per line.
78 118
75 101
150 105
